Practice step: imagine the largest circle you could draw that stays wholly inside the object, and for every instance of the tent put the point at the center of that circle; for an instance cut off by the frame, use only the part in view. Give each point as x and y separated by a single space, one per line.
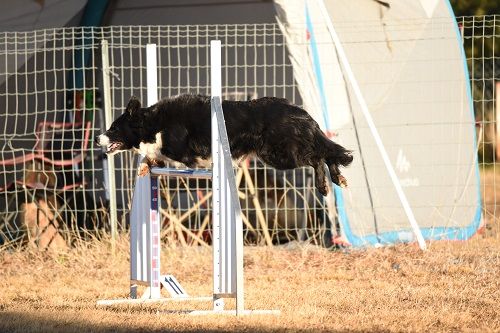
406 59
408 70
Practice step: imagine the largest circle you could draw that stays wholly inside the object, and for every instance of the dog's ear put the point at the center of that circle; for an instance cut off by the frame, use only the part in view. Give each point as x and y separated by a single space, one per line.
133 105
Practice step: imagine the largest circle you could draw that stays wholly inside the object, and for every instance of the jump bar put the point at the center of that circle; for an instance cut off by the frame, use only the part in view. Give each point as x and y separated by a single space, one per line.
189 173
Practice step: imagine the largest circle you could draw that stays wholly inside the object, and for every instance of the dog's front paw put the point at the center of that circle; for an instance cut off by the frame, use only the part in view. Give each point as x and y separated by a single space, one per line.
143 169
342 181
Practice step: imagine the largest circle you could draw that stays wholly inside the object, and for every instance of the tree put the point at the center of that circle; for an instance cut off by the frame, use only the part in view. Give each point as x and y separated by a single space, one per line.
475 7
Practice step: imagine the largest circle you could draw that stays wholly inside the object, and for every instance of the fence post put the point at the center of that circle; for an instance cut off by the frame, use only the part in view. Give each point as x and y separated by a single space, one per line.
108 119
497 120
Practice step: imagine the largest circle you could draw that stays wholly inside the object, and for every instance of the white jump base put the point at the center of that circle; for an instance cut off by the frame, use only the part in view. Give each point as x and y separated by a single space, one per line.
234 313
227 234
143 301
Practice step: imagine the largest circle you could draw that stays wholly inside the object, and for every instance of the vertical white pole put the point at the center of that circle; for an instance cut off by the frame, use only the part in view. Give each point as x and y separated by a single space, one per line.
215 77
238 247
497 110
152 74
227 222
108 113
215 68
154 216
378 140
154 239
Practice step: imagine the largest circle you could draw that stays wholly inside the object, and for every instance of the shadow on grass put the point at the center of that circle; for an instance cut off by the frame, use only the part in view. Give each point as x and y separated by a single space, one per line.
13 322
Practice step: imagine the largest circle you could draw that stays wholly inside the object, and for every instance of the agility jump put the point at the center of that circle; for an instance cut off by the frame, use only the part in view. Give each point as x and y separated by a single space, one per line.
226 216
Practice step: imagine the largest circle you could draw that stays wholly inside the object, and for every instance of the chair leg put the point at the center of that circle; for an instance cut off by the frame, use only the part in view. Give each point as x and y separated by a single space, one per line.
42 223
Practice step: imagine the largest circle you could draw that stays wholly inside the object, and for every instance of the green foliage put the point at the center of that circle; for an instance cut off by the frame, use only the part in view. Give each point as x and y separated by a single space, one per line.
475 7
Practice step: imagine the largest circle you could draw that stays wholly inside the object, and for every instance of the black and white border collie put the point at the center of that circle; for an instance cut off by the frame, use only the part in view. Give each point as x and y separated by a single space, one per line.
279 133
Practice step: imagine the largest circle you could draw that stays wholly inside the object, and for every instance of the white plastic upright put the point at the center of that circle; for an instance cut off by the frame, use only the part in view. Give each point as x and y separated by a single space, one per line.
226 214
144 230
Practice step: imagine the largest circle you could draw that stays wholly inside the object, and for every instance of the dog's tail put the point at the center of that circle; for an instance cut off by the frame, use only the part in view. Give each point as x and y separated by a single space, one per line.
335 153
344 157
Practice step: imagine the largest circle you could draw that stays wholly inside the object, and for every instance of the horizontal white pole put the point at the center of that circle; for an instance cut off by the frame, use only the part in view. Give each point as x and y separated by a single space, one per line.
188 173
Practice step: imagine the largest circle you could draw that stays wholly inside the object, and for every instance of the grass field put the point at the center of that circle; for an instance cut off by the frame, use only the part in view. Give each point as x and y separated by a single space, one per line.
452 286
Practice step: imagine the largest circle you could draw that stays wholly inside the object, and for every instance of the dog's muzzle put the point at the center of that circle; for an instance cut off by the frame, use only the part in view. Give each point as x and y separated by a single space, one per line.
104 141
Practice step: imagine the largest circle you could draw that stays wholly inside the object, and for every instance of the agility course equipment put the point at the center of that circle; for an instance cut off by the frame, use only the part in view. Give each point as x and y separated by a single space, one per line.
227 234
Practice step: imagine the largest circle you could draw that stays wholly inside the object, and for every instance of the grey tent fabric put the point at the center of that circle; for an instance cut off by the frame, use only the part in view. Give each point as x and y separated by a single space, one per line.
409 64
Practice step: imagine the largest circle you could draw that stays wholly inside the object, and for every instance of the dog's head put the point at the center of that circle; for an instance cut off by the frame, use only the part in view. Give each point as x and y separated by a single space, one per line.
125 132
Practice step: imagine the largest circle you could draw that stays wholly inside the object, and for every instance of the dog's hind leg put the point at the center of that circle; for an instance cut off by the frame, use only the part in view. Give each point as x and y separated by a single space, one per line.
336 176
320 177
335 155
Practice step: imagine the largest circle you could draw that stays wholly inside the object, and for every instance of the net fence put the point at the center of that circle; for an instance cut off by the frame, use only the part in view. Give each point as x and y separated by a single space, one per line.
53 183
53 177
481 38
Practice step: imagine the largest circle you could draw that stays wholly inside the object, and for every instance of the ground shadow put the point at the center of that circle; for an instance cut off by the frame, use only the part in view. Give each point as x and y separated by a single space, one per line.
13 322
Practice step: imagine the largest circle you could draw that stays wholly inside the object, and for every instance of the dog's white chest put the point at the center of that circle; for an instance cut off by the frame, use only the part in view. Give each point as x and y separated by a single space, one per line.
152 150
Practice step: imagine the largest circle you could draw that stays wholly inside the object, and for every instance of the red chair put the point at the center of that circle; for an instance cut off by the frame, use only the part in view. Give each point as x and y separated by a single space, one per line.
55 159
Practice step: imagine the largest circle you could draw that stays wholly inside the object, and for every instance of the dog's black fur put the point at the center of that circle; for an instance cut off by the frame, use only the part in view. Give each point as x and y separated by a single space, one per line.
282 135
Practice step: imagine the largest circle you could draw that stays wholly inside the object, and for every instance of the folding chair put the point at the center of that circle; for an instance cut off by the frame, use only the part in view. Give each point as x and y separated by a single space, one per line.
52 168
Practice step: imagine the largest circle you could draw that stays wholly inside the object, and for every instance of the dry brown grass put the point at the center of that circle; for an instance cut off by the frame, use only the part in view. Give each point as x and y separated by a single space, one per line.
490 189
452 286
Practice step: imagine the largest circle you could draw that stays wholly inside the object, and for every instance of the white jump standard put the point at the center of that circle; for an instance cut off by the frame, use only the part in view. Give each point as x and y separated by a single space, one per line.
227 228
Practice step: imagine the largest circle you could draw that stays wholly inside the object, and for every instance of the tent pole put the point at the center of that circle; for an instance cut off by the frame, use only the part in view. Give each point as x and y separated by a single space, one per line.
365 172
378 140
